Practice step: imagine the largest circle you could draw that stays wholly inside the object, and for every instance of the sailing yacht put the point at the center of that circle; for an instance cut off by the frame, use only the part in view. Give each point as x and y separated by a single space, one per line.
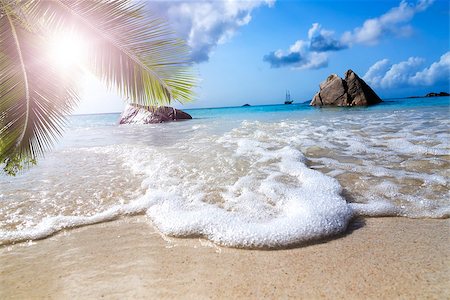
288 98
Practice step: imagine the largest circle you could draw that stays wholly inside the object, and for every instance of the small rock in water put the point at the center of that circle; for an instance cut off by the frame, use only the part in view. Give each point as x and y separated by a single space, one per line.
140 114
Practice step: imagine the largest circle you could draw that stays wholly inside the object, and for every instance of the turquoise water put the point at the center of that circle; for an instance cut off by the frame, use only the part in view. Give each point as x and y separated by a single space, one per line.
277 111
259 176
389 104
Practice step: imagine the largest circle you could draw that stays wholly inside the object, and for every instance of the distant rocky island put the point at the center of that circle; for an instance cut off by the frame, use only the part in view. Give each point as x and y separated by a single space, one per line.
351 91
429 95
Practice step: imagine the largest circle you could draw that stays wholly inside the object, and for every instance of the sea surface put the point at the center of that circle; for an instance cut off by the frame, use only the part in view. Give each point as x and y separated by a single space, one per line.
252 177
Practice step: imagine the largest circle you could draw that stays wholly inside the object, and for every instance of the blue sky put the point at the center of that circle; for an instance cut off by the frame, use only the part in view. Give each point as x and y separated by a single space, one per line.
252 51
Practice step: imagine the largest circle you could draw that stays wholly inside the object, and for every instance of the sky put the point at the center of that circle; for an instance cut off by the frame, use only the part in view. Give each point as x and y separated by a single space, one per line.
253 51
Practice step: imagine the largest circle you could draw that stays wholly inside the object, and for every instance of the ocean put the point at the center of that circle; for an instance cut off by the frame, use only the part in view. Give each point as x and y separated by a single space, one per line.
249 177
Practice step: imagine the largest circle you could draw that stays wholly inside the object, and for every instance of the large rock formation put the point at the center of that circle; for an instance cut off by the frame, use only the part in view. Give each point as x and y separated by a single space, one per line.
351 91
139 114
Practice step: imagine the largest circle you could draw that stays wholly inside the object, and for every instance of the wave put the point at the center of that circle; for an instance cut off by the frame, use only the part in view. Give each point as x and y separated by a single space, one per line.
259 185
280 202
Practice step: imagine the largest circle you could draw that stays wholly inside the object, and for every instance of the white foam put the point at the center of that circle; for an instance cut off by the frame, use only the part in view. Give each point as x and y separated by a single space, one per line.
50 225
251 187
254 206
312 210
404 146
378 208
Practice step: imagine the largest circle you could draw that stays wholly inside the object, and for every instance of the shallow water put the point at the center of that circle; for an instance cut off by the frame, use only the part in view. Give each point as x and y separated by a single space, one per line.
264 176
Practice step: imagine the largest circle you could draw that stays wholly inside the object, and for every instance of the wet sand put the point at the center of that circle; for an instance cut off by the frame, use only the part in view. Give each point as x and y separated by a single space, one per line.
127 258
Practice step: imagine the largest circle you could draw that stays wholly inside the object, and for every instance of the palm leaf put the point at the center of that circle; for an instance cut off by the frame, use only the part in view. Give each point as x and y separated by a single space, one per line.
33 97
129 48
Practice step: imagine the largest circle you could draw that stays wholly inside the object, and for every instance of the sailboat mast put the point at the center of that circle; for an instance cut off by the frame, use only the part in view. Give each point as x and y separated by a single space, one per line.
288 97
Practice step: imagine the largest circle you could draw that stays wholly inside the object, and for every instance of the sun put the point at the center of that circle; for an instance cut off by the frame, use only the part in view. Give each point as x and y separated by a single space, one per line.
67 50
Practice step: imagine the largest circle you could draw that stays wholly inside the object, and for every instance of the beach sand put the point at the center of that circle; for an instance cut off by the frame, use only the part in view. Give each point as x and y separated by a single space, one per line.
127 258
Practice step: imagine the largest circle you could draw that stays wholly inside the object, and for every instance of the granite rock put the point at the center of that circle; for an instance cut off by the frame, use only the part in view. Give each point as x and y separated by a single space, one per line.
139 114
351 91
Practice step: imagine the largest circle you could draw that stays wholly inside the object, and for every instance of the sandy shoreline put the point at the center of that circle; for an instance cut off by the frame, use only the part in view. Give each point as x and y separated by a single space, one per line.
386 257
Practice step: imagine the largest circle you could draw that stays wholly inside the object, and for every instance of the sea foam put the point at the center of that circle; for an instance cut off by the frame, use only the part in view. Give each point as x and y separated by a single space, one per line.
250 184
257 210
243 192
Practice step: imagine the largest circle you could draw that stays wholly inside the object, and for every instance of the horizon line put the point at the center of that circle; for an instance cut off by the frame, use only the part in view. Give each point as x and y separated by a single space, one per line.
236 106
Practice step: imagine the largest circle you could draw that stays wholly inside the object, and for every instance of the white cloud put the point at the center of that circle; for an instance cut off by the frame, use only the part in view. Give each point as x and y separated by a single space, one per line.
399 74
315 60
394 22
207 23
322 40
376 72
309 54
423 4
438 72
314 52
411 72
298 56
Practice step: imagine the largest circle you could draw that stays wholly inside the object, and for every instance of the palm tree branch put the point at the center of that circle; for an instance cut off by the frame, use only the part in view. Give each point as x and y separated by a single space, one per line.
24 73
129 50
34 97
136 54
114 42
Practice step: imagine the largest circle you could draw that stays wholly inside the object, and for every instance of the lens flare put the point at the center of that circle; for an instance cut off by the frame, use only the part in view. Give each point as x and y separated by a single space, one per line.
67 50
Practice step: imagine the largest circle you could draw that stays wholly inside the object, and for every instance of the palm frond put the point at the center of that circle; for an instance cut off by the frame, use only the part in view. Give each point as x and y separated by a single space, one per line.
129 49
34 98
